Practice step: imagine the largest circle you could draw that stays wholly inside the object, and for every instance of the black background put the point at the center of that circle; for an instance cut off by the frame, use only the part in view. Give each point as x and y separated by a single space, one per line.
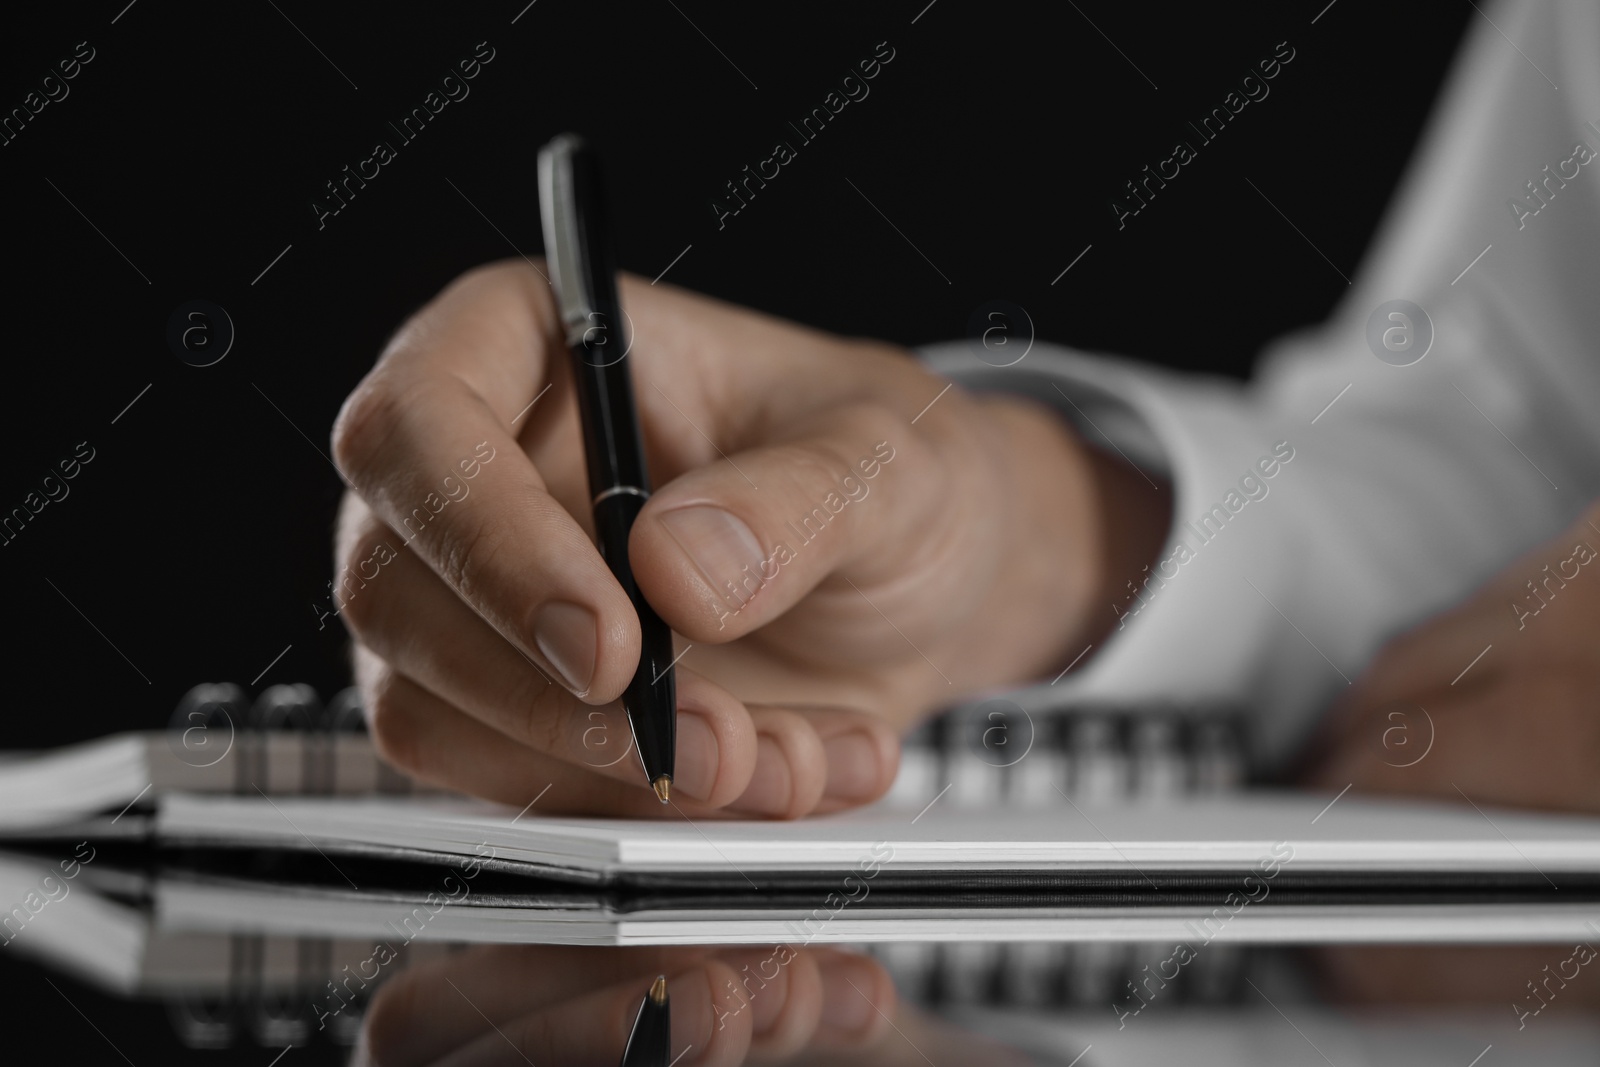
197 541
195 544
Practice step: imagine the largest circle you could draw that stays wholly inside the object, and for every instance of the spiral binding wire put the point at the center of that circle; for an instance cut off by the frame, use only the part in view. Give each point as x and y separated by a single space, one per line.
999 754
222 713
996 753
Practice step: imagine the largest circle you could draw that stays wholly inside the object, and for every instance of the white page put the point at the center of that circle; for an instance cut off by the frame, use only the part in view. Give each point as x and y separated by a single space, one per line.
1219 834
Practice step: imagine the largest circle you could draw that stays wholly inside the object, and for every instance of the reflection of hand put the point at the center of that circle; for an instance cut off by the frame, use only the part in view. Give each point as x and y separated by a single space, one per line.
515 1004
844 553
1516 982
1519 728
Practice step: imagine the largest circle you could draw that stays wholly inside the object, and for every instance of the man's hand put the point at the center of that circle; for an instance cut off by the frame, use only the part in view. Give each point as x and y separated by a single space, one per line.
841 545
1520 726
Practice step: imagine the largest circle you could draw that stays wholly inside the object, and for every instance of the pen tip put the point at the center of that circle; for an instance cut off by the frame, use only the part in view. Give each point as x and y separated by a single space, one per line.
658 991
663 787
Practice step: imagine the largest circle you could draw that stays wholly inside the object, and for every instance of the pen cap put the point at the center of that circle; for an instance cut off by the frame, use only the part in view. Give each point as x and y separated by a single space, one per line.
577 237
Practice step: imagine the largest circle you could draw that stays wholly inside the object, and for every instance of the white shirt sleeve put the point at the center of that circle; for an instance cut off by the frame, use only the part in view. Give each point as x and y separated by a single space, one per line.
1393 490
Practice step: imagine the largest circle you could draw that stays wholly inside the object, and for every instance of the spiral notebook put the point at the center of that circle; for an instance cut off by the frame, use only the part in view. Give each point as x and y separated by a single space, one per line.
241 951
1143 839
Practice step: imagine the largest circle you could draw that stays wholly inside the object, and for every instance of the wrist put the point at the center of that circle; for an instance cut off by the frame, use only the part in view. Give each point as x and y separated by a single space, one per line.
1086 524
1134 509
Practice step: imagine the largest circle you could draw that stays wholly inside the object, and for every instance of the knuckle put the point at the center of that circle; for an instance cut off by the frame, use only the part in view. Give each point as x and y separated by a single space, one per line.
508 298
873 430
815 464
465 557
364 424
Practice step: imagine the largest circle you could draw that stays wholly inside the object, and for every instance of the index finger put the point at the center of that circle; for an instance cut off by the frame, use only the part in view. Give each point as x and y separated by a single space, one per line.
428 440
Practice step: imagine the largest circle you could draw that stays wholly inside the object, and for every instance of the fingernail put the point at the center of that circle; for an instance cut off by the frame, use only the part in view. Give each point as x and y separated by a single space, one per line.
695 770
771 787
853 766
721 547
566 633
845 985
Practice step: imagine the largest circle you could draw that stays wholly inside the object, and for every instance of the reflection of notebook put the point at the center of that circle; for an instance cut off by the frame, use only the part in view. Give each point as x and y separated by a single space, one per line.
236 990
220 987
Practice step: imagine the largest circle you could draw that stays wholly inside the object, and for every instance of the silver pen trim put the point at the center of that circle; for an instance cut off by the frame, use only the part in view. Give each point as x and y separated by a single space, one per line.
617 490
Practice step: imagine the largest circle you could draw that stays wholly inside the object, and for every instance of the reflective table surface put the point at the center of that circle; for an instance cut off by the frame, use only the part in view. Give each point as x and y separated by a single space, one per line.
247 999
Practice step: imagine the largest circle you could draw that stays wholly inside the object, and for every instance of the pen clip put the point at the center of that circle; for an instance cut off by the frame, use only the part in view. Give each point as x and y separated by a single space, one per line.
564 248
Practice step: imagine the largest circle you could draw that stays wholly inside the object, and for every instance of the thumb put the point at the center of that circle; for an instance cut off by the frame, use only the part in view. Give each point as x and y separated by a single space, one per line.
726 548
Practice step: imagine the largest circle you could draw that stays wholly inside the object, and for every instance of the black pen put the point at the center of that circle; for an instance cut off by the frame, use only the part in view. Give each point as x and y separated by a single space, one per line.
577 242
650 1042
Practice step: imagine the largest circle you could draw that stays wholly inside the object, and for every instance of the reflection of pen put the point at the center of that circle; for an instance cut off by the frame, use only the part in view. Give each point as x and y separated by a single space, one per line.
577 243
650 1043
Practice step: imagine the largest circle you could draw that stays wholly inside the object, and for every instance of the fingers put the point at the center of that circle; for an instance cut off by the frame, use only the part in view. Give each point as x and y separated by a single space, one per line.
427 440
1457 975
858 1001
794 761
412 620
425 1012
1491 698
1444 658
784 999
805 761
817 999
1532 743
831 759
1500 621
593 1028
501 1004
728 547
1451 651
466 566
435 743
587 757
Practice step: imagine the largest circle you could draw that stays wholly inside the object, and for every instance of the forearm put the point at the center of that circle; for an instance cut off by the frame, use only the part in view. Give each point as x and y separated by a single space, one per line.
1394 490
